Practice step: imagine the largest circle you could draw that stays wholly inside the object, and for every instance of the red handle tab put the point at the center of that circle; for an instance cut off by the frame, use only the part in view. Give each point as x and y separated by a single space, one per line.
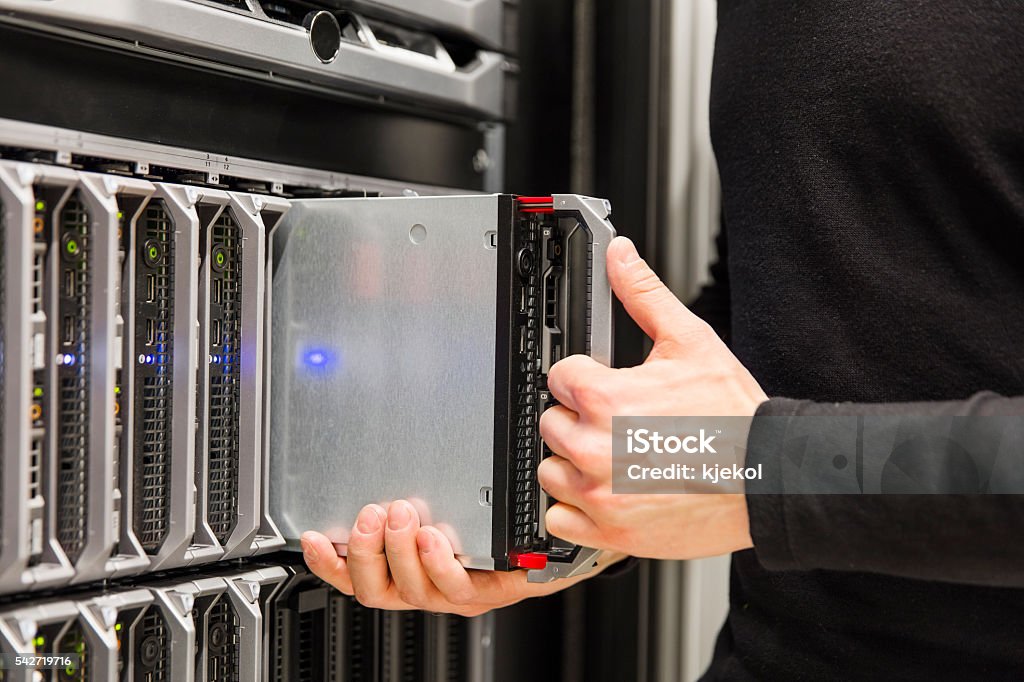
536 204
531 560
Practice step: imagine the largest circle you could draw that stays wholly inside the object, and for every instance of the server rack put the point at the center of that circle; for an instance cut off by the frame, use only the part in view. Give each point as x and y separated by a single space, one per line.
458 127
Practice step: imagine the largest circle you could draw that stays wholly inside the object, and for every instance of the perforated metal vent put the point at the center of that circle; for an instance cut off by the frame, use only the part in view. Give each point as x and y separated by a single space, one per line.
73 641
524 453
152 648
154 375
225 260
222 639
73 369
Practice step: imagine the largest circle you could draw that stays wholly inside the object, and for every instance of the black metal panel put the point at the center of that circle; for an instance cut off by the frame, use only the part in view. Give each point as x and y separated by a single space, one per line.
539 152
56 81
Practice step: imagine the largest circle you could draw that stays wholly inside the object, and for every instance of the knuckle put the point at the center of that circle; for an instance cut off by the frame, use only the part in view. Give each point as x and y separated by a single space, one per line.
365 599
410 595
592 396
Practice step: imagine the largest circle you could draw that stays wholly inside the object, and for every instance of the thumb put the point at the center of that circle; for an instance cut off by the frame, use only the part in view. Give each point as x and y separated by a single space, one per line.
646 298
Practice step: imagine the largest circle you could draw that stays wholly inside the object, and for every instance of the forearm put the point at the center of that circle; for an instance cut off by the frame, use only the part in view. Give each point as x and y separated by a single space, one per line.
953 537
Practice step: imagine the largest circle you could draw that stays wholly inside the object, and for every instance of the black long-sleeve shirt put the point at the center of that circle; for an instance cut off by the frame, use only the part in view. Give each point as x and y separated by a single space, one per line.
872 164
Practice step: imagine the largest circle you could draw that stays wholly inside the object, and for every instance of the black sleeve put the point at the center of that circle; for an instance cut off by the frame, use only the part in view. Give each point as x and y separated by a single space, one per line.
713 302
964 538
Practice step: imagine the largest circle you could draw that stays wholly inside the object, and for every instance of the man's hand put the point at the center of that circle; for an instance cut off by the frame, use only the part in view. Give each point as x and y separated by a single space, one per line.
395 563
689 372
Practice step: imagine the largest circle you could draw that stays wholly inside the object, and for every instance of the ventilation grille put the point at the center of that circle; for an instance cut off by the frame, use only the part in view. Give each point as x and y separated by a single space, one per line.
38 268
454 643
359 643
39 413
222 639
73 642
154 346
73 373
411 643
225 258
152 648
523 469
307 649
276 651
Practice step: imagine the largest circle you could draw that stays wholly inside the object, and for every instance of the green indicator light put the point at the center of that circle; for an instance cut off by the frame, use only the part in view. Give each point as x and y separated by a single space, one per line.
120 215
154 252
117 390
39 641
40 205
69 671
80 647
220 258
37 392
72 247
117 627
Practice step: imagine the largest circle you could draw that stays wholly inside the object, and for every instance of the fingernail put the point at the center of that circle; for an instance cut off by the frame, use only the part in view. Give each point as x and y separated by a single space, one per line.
308 551
399 516
425 541
368 521
627 253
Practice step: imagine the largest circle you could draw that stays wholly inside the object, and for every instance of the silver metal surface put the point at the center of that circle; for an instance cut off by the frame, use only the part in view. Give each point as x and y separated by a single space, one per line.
483 20
584 562
64 141
27 530
595 214
383 364
250 40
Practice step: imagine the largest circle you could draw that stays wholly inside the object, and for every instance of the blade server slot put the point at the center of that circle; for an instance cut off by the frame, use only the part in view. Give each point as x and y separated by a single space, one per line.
224 264
150 645
73 379
218 636
73 640
153 368
39 415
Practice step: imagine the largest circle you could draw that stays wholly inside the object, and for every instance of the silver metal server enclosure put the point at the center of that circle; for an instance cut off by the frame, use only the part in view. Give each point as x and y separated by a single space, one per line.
390 363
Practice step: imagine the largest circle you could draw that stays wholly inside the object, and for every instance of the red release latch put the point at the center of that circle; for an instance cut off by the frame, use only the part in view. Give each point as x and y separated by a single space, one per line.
536 204
531 560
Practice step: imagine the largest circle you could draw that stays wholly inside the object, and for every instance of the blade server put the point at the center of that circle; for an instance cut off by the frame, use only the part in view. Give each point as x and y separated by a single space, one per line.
412 338
112 302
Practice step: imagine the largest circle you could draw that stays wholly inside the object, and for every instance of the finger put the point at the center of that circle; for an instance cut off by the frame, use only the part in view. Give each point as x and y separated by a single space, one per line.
646 298
323 560
444 570
411 581
367 563
574 375
561 480
570 523
557 425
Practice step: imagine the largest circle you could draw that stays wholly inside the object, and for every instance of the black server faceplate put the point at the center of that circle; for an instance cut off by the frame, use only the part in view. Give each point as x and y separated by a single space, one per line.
70 325
543 297
135 96
223 399
154 374
150 646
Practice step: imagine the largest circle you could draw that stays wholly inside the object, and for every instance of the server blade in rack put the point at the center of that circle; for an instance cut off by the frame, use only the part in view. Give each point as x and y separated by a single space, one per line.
31 556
